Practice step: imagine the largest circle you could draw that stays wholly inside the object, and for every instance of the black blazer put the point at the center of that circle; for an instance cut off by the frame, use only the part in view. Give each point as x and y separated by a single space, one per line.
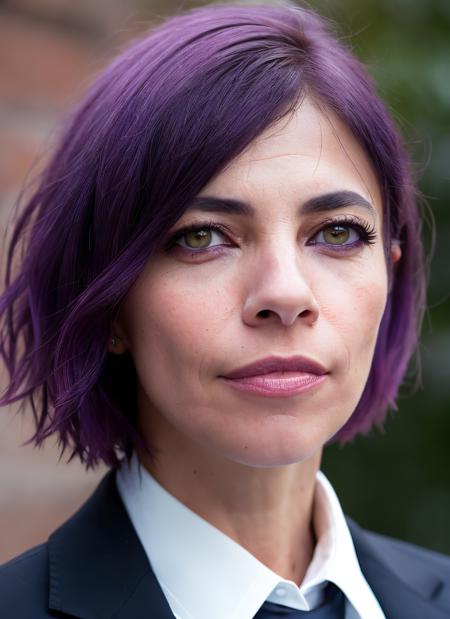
94 567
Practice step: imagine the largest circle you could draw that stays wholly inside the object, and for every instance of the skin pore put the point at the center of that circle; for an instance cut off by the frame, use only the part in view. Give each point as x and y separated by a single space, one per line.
301 275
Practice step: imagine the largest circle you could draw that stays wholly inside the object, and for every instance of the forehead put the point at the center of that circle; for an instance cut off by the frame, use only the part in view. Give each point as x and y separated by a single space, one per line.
306 153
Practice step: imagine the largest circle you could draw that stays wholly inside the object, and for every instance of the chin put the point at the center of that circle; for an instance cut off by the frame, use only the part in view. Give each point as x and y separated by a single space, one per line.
274 453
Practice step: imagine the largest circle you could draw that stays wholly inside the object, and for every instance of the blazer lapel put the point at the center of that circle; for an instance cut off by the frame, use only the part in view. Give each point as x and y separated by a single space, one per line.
402 585
98 568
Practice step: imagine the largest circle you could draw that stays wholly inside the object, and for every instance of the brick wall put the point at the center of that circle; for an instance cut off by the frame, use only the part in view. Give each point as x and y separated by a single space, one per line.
49 49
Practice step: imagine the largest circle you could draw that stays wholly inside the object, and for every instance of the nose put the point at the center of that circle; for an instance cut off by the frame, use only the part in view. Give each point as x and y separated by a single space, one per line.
279 291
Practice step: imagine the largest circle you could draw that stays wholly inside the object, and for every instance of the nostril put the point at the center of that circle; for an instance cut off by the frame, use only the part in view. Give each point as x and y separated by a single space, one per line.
264 313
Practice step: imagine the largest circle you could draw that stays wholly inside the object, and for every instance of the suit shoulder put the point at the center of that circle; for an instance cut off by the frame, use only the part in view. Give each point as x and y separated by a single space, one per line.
413 552
405 555
24 585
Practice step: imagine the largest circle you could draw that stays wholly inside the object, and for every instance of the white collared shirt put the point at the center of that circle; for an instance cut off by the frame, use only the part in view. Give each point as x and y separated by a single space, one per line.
204 574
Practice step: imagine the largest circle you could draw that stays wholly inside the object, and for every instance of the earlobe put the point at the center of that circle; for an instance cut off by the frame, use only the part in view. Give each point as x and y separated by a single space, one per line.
396 252
117 343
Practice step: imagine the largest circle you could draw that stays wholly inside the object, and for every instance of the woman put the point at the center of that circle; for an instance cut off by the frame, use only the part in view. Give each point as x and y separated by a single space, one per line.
223 273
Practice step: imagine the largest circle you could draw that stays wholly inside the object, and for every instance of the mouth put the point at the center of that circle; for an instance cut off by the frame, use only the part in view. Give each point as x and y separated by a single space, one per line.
277 376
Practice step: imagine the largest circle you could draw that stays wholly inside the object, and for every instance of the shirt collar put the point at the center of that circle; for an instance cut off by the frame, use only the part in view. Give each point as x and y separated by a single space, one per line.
205 574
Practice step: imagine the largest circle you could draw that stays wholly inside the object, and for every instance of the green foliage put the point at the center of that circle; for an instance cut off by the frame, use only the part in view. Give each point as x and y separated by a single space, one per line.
398 481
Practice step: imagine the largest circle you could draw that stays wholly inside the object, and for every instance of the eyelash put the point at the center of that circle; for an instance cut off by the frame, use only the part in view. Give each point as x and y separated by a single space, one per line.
367 234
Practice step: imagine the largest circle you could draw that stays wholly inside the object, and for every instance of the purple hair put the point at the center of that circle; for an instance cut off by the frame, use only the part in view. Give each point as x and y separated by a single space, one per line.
165 117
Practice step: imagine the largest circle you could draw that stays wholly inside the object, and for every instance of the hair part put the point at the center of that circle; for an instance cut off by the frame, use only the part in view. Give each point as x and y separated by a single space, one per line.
166 116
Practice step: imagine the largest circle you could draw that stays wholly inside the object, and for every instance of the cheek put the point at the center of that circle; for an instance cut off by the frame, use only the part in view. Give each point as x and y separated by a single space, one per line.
355 310
173 322
369 301
174 327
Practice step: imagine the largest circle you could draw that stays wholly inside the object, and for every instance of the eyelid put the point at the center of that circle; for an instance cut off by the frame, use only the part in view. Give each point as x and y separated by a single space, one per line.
345 218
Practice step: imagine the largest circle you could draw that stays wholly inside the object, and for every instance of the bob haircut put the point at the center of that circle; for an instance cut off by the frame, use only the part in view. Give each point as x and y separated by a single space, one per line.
165 117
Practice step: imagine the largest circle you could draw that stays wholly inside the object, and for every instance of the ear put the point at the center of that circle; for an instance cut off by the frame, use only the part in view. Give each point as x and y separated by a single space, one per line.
396 252
118 341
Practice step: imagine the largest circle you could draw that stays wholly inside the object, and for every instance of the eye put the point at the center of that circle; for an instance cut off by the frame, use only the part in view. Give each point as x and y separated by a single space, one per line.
198 237
346 233
338 235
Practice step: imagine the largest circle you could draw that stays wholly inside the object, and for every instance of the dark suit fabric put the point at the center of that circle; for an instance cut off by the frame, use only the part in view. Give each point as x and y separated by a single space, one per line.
94 567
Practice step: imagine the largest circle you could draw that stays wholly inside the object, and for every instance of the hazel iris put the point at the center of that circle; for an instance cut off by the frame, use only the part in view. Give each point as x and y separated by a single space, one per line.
198 238
336 235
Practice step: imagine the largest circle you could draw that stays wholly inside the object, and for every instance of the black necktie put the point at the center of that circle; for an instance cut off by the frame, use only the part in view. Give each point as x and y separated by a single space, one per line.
333 607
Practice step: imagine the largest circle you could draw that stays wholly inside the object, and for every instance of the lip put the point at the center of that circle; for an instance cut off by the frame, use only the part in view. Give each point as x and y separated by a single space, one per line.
276 377
278 364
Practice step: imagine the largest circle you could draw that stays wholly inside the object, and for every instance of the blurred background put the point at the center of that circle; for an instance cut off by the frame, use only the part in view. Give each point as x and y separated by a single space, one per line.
396 481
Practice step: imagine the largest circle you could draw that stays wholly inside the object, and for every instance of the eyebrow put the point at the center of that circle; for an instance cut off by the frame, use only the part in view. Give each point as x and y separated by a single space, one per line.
325 202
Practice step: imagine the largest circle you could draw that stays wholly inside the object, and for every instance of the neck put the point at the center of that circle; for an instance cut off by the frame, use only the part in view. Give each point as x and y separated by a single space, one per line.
268 511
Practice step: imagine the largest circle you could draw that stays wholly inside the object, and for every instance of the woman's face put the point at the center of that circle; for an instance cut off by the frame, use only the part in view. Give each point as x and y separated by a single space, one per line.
302 273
